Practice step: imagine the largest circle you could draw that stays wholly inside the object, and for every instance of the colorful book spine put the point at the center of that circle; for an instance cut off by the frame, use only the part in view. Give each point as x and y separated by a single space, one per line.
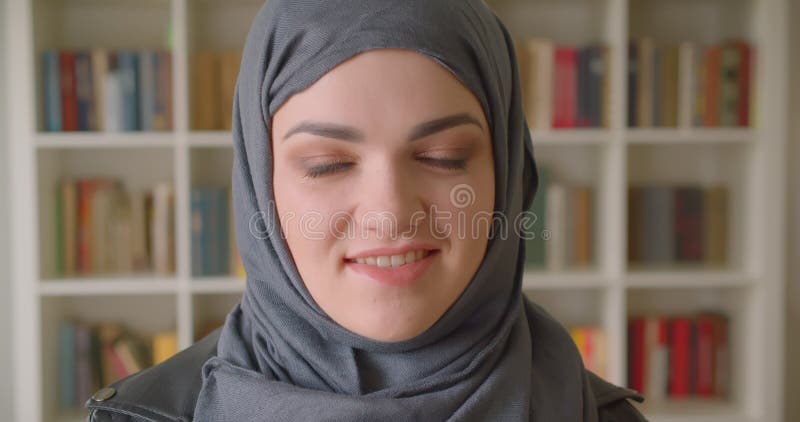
84 91
128 68
69 107
52 91
66 364
566 75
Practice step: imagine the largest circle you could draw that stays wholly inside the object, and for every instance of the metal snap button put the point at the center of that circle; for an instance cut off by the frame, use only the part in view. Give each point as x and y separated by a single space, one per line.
104 394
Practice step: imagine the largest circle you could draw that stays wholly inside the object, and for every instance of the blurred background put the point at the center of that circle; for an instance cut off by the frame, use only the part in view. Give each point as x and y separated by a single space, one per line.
668 229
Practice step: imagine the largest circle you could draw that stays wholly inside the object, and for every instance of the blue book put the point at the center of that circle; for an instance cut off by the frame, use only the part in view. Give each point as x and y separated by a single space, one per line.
66 365
84 91
52 91
214 236
223 250
147 89
128 65
83 363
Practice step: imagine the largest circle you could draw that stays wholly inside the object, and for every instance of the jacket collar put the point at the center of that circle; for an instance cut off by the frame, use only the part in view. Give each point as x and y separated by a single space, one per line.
165 392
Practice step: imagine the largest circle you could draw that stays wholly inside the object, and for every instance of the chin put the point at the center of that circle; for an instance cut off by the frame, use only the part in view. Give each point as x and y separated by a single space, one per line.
389 330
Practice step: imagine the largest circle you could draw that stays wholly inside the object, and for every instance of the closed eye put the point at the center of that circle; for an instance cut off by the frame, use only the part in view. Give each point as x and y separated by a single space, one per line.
328 168
445 163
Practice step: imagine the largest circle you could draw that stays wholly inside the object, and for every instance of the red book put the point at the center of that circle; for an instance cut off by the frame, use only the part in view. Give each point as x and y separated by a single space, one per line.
69 98
705 354
680 357
565 85
722 358
115 363
636 354
744 84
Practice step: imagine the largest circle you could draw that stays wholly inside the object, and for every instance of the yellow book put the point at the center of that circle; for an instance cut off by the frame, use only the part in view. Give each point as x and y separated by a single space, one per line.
228 72
205 92
579 337
165 345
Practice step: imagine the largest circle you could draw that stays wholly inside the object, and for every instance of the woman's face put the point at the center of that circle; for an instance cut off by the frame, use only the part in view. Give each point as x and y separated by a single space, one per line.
384 184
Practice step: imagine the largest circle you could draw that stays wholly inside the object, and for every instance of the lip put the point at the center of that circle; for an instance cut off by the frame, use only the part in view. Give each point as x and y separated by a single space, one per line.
402 250
402 276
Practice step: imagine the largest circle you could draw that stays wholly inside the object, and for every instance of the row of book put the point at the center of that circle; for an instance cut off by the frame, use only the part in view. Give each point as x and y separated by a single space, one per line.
91 356
563 231
564 86
592 345
102 228
101 90
681 224
718 80
213 84
679 356
214 250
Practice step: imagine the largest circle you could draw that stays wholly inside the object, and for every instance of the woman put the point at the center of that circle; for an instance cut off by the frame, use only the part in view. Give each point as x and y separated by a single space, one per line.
381 162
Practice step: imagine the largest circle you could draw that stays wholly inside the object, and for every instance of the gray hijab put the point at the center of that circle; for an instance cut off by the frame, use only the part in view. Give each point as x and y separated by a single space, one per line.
493 356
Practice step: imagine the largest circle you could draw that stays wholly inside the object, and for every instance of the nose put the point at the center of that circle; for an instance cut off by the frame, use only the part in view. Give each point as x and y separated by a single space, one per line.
391 203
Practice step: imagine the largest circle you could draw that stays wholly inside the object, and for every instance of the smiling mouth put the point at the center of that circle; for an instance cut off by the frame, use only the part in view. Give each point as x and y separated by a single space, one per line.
394 261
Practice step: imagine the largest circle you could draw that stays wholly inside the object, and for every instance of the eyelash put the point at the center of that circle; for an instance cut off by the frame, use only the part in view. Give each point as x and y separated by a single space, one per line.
335 166
446 163
327 168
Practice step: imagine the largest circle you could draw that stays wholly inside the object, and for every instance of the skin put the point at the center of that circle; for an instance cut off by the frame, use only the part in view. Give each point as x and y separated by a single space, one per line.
381 95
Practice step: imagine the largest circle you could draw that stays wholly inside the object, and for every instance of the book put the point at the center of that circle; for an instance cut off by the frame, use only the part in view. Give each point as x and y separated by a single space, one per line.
69 106
656 350
99 63
680 357
538 75
66 364
101 90
715 226
565 86
205 98
688 223
162 229
228 74
644 87
51 90
536 245
84 91
633 83
556 226
583 223
712 84
165 345
130 86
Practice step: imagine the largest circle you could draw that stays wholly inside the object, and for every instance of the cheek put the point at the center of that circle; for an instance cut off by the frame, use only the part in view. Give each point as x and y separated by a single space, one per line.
303 221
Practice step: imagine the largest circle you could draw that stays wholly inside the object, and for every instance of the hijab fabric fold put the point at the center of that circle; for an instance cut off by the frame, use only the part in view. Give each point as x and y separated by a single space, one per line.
493 356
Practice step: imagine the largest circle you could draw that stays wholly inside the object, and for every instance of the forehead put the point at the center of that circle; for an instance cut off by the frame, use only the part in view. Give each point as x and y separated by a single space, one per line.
385 88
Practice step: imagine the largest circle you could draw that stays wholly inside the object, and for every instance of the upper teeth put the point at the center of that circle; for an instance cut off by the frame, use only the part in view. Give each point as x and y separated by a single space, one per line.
393 260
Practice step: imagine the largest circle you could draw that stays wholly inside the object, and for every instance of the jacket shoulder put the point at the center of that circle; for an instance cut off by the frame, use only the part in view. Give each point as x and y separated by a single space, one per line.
614 402
166 392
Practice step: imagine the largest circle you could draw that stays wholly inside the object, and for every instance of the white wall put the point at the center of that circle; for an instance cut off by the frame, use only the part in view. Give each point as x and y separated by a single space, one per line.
5 284
793 251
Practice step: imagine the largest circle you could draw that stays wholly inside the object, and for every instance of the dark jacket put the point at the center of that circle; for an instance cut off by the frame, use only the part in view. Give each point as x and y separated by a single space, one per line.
165 393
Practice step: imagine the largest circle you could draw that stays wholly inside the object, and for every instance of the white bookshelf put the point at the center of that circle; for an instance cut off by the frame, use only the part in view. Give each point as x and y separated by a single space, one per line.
748 160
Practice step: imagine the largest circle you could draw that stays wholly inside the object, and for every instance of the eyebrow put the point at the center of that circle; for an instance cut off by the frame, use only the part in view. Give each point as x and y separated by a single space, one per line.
349 133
